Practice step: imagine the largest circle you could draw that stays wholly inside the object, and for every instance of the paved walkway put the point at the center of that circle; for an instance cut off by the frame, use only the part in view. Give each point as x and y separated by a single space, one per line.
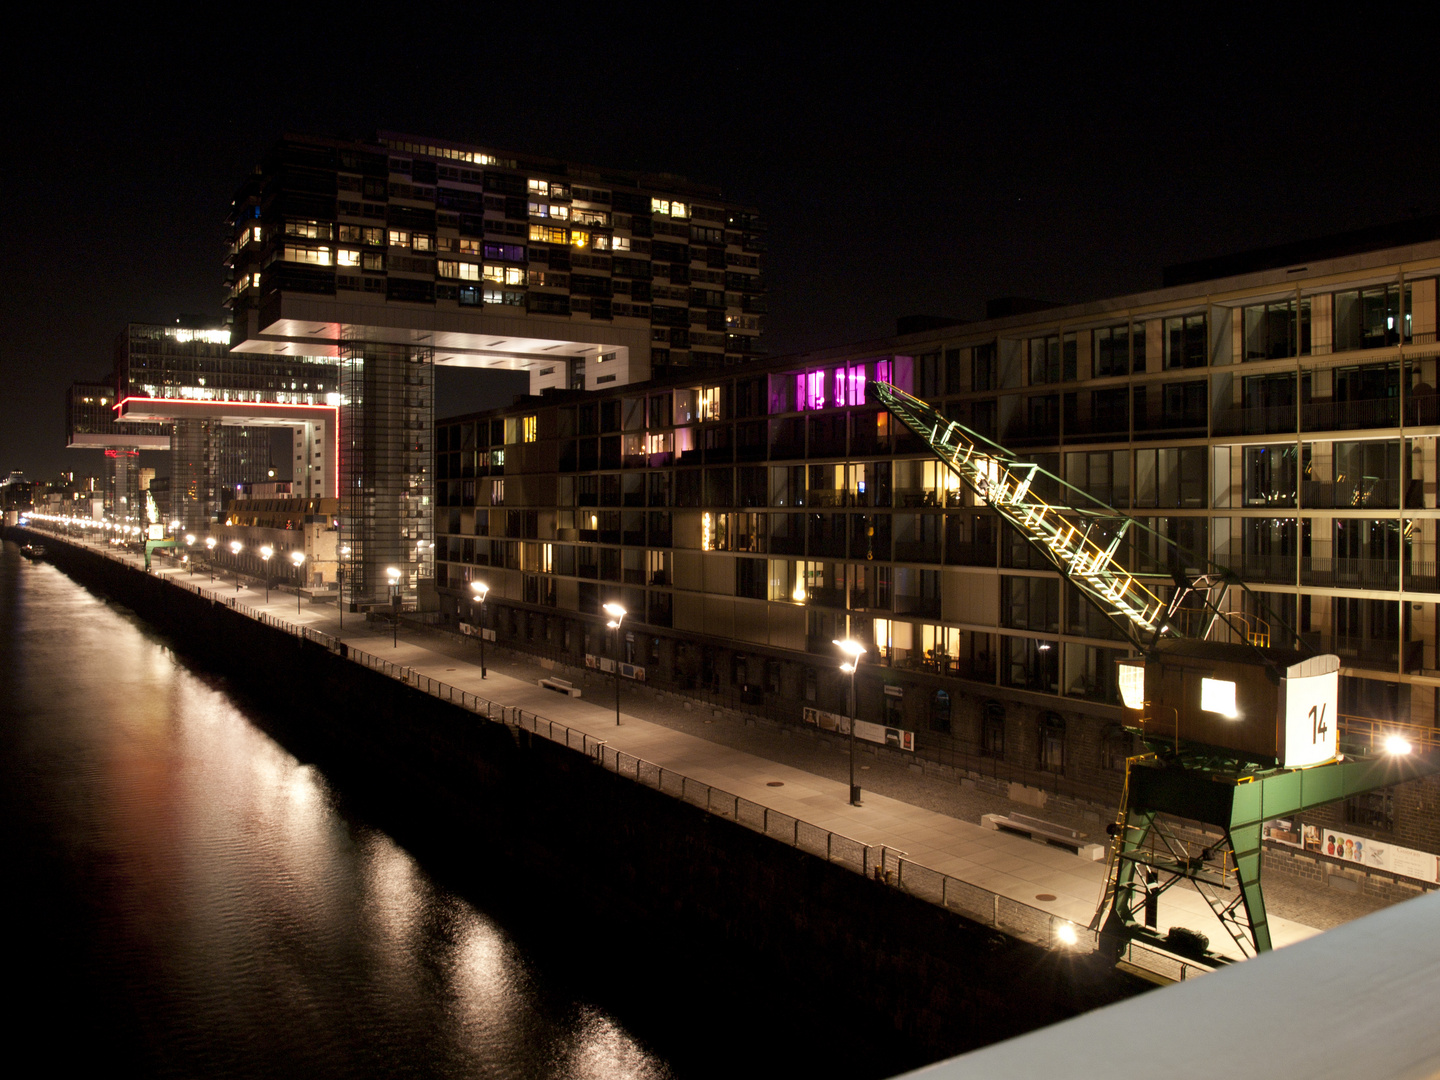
785 770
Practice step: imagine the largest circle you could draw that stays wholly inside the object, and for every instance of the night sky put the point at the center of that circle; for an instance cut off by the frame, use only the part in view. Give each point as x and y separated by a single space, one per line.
917 166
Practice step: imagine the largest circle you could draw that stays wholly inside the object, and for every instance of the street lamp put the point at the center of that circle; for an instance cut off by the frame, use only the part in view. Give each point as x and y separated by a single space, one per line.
298 558
393 573
235 548
340 582
190 543
210 556
854 650
617 616
479 588
266 552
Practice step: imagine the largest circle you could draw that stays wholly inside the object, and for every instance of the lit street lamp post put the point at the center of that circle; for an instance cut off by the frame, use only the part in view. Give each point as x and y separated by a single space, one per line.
235 548
617 616
210 556
265 553
393 573
854 650
340 582
190 543
479 588
298 558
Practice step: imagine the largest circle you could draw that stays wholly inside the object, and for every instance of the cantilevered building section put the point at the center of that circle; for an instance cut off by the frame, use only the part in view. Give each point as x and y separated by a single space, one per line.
391 256
91 424
219 408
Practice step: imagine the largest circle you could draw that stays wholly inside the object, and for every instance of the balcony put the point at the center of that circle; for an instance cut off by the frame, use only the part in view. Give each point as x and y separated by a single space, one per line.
1264 420
1353 415
1350 573
1274 569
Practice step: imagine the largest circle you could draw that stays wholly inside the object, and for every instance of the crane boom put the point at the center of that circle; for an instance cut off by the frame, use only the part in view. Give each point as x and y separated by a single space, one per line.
1081 535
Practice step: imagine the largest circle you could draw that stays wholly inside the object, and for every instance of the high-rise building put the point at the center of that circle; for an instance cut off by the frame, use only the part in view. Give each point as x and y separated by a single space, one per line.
1275 412
392 256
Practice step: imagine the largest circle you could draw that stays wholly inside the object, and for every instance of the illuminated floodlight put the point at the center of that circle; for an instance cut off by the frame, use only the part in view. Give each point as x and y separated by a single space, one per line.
393 573
1130 674
236 547
850 648
1218 696
479 588
297 557
266 552
1066 935
1397 745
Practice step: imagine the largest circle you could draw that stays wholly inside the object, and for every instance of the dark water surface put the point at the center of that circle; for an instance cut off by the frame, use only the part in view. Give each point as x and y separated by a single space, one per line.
188 899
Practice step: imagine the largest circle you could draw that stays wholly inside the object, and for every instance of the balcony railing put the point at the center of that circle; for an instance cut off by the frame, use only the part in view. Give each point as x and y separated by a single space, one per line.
1350 573
1263 420
1351 415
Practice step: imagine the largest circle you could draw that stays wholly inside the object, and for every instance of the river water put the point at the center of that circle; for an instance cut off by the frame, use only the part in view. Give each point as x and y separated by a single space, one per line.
185 898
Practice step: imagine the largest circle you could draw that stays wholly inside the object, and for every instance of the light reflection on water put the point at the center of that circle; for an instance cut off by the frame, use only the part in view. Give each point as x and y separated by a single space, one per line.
201 892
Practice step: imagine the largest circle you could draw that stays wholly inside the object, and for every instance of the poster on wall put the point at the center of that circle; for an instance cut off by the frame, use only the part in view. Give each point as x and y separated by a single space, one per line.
893 737
1361 850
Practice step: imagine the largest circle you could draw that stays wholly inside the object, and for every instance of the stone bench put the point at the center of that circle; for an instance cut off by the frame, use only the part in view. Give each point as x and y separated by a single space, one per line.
1046 833
560 686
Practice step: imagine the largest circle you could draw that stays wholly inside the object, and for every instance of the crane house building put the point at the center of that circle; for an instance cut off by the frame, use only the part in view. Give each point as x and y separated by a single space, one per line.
1274 413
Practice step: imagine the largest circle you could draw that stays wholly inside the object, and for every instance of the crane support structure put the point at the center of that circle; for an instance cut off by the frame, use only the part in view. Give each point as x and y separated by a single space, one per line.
1219 767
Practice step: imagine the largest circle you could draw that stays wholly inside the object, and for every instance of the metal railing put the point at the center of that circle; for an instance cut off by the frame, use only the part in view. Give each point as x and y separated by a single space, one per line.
881 862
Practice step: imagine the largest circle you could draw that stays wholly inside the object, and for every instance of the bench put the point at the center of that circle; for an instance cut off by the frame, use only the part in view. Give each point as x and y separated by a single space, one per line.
560 686
1046 833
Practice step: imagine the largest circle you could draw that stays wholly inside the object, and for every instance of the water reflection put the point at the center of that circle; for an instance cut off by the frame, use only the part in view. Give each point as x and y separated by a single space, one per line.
227 916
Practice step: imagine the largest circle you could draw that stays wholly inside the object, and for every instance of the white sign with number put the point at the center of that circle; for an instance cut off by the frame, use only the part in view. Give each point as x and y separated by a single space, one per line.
1310 721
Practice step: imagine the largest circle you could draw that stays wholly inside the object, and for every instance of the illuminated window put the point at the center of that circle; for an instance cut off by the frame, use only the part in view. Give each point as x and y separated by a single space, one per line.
601 242
550 234
315 256
347 257
527 429
399 238
374 236
309 230
1218 696
539 187
590 217
255 232
421 242
620 243
504 275
497 492
708 403
660 206
678 209
579 237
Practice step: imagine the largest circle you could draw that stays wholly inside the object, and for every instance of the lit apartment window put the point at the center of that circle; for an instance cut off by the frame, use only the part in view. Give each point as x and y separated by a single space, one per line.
579 237
708 403
422 242
504 275
315 256
497 492
549 234
527 429
539 187
399 238
620 243
660 206
347 257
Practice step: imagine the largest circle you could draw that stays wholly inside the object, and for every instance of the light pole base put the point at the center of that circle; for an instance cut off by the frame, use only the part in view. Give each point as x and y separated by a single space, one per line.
855 795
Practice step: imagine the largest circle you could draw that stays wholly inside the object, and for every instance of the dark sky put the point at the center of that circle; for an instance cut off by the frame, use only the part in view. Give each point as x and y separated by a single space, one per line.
918 165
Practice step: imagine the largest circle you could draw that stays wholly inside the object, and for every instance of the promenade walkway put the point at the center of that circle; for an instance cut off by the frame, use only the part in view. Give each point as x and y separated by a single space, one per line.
804 778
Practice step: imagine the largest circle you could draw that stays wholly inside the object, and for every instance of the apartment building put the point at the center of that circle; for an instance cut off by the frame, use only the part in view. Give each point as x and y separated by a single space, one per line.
1275 412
